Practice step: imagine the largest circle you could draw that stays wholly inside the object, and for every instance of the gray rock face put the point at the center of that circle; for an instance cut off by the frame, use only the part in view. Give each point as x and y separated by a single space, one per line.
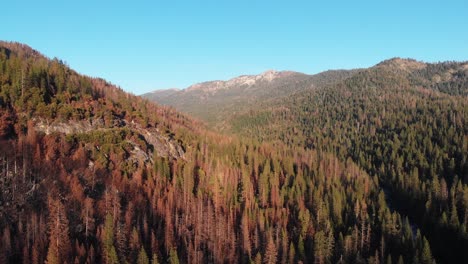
160 144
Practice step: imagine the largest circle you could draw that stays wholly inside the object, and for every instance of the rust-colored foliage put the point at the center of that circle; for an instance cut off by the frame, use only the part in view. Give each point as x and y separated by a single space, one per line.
91 174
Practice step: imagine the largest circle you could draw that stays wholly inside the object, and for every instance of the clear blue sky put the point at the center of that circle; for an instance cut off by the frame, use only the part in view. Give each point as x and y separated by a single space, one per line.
147 45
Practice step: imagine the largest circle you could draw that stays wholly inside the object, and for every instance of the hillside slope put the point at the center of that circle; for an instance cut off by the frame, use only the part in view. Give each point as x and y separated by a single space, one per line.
90 174
402 120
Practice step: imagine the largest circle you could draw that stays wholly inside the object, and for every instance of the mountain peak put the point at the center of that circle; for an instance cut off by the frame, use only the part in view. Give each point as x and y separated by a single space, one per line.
165 90
243 80
269 74
402 64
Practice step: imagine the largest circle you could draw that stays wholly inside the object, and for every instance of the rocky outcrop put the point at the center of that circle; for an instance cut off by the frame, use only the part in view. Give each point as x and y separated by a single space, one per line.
160 144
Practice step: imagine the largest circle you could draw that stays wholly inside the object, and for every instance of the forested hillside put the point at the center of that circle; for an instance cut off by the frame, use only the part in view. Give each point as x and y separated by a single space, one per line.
404 122
92 174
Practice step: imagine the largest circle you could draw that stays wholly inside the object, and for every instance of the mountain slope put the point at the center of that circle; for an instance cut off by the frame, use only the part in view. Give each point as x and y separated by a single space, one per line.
213 101
402 120
90 174
160 95
408 125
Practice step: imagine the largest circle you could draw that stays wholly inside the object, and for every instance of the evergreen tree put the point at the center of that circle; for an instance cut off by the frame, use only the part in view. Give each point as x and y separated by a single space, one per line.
173 257
154 260
109 254
426 255
59 242
271 252
142 257
292 253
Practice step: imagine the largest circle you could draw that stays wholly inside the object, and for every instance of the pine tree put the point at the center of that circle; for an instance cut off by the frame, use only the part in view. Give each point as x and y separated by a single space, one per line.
258 259
300 248
292 253
155 259
319 247
110 254
142 257
246 243
59 241
426 255
173 258
454 222
112 257
271 252
87 216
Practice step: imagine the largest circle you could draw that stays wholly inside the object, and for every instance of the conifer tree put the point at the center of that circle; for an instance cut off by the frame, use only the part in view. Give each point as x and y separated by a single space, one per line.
142 257
59 241
271 252
173 257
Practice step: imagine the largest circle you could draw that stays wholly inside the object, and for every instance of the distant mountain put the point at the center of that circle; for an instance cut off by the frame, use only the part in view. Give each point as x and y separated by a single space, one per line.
208 100
215 101
246 81
403 64
161 94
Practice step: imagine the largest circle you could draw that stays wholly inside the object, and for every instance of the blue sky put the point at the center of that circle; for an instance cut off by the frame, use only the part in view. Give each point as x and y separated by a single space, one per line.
148 45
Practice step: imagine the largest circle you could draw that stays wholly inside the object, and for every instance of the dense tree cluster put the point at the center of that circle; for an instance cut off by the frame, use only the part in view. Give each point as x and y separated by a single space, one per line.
83 197
407 129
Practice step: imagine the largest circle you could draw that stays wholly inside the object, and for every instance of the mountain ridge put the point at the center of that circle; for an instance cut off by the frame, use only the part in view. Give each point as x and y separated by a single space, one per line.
268 75
252 88
247 80
205 99
408 64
